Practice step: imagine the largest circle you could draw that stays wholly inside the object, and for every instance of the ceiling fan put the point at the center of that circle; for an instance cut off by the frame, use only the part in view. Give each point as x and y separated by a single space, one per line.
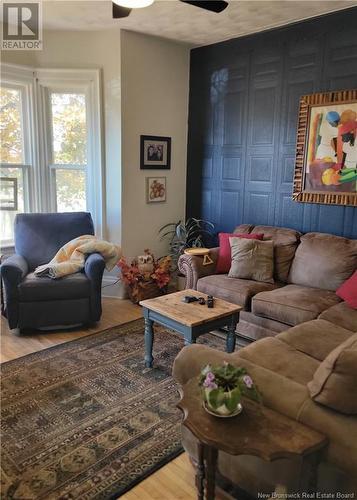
122 8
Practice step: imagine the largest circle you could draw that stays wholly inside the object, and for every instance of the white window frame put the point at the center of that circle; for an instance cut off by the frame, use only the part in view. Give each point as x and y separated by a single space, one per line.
51 166
22 79
37 84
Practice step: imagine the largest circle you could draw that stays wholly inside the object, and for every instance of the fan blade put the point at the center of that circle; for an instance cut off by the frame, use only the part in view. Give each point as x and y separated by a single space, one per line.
213 5
119 12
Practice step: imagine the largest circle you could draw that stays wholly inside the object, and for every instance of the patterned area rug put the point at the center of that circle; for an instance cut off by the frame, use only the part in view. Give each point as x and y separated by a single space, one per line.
86 420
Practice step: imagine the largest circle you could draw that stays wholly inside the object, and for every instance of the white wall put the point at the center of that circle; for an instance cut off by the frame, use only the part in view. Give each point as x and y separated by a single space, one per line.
27 58
155 84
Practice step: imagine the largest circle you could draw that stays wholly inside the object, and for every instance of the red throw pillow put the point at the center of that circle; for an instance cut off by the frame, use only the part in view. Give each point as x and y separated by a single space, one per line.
348 291
224 257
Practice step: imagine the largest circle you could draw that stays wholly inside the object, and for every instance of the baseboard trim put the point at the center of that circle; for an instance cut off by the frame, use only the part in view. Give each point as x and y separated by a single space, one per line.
111 287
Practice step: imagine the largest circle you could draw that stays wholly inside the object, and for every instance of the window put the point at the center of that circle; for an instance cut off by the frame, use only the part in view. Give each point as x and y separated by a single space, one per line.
50 152
14 157
69 150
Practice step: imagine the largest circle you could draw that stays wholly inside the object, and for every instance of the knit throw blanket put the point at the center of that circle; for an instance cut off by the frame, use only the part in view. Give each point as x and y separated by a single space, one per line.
71 257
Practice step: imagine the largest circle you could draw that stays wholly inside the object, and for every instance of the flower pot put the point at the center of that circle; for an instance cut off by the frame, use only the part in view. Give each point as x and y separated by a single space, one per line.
222 404
143 290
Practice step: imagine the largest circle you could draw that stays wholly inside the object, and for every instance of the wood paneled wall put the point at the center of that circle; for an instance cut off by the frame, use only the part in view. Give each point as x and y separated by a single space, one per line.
244 98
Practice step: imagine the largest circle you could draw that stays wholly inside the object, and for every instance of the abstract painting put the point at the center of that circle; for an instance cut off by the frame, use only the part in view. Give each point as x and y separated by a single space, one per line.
326 155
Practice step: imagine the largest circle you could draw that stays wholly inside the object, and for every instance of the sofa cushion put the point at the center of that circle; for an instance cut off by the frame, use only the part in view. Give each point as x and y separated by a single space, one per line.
252 260
279 357
342 315
270 324
293 304
243 228
74 286
316 338
339 429
323 261
285 242
335 381
233 290
348 291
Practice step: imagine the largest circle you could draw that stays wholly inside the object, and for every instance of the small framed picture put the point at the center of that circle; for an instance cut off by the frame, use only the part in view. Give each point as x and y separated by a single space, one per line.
155 152
155 189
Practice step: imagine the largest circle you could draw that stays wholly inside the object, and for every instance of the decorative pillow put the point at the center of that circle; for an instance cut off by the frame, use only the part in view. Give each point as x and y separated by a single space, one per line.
224 256
252 259
285 243
335 381
348 291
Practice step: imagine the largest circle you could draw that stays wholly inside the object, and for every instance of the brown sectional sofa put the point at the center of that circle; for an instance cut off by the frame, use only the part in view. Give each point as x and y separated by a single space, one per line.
282 366
308 270
299 320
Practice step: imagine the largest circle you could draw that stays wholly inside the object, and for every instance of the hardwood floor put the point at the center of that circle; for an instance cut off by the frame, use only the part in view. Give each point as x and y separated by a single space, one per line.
174 481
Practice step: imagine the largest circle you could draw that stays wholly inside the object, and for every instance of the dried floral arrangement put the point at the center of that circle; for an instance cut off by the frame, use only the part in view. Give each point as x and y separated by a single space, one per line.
146 276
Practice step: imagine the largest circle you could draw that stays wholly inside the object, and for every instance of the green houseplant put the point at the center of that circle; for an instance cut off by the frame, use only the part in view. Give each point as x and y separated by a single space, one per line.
223 387
191 233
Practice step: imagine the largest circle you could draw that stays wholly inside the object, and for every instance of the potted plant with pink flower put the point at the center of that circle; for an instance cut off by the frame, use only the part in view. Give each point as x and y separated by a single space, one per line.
223 387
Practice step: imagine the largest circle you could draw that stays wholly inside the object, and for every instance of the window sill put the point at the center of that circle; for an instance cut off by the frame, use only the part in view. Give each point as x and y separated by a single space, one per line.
8 249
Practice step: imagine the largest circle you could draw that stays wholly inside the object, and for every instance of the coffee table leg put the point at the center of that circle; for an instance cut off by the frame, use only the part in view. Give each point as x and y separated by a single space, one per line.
211 463
200 472
149 340
231 335
189 337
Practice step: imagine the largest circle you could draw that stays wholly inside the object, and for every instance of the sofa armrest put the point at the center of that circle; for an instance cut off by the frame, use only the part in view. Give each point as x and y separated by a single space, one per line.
191 266
191 359
94 269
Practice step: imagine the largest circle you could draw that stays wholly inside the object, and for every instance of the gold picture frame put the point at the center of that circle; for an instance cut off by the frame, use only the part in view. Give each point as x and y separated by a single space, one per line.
326 148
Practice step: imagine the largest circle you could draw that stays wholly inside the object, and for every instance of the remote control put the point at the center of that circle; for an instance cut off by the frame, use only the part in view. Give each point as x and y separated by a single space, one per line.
189 298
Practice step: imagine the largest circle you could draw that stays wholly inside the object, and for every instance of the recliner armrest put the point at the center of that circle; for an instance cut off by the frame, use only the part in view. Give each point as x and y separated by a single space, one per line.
191 266
13 271
94 267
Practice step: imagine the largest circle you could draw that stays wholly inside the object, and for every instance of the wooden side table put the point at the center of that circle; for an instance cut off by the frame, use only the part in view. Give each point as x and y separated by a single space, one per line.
203 252
257 431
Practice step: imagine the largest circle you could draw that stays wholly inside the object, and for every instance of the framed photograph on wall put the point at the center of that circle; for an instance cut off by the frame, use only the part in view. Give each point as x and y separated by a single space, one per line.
155 152
155 189
326 150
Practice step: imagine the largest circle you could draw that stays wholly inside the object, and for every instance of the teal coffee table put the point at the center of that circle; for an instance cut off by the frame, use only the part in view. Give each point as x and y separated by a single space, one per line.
190 320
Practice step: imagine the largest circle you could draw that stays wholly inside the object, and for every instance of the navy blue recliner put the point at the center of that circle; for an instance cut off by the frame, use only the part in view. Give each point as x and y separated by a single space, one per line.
34 302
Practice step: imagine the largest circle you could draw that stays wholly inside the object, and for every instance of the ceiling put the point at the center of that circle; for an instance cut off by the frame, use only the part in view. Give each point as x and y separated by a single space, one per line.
185 23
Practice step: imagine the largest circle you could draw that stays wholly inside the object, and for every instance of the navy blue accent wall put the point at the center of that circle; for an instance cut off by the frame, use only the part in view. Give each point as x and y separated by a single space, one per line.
244 98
